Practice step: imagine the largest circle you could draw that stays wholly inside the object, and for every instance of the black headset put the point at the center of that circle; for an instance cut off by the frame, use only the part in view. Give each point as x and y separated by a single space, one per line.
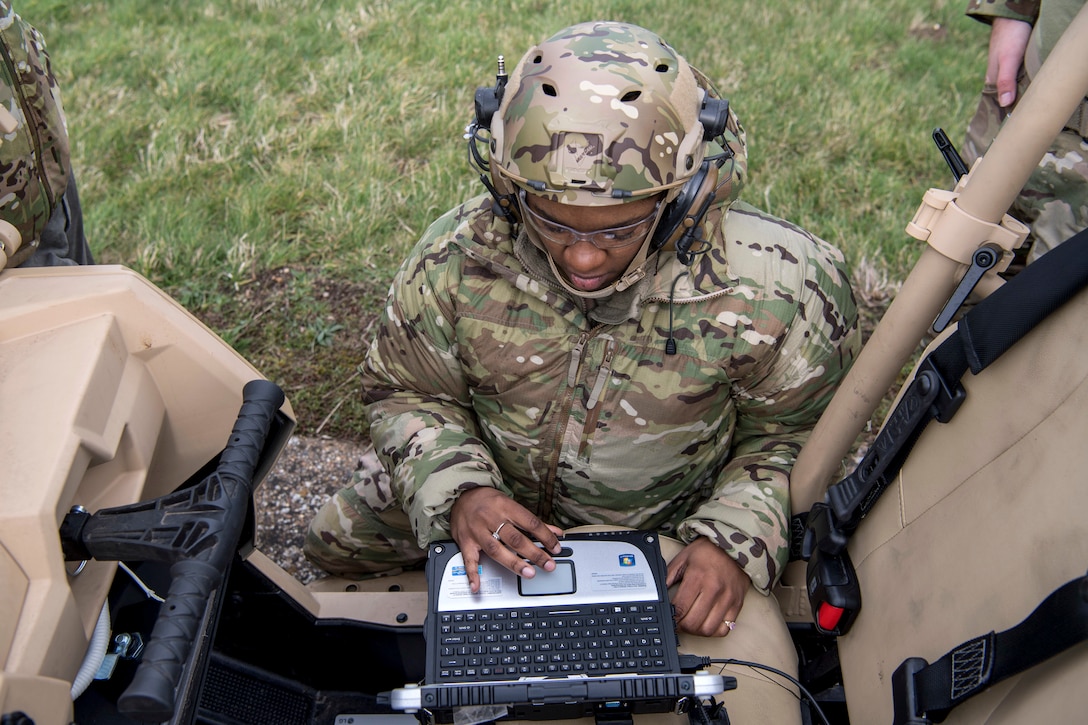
681 221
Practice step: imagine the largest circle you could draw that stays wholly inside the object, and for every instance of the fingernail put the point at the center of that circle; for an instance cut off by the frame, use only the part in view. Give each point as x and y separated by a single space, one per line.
528 572
1006 98
549 565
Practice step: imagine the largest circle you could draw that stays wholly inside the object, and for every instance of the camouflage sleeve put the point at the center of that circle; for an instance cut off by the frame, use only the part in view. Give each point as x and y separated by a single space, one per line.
419 405
778 404
986 10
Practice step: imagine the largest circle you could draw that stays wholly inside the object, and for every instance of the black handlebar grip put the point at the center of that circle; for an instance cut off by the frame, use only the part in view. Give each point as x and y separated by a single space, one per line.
260 401
151 695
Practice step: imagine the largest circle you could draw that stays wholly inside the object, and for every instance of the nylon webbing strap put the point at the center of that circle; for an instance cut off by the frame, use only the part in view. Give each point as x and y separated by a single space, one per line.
1057 624
996 323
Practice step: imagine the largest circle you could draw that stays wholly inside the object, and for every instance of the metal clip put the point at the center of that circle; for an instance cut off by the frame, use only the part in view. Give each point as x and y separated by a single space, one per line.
125 646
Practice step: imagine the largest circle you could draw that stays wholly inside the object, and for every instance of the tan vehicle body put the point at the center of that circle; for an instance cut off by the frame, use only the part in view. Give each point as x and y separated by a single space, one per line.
984 519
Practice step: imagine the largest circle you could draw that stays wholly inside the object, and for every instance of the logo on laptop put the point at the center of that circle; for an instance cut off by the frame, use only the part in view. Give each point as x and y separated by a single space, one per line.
627 559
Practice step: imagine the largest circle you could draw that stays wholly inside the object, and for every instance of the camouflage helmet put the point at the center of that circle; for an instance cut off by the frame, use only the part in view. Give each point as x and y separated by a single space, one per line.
598 114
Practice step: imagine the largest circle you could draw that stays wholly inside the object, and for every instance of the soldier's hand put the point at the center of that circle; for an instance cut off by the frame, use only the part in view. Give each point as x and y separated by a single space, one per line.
711 589
489 521
1008 43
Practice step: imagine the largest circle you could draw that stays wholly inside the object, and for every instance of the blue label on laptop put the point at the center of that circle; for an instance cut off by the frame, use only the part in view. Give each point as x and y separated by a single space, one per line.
627 559
460 570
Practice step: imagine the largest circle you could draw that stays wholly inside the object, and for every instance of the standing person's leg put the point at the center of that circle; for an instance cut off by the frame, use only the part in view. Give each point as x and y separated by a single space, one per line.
1056 195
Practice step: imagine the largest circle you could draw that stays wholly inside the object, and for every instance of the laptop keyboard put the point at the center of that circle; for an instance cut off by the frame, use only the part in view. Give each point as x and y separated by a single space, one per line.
499 644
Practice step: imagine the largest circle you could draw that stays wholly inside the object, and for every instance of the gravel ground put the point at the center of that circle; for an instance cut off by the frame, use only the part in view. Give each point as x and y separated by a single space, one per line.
308 471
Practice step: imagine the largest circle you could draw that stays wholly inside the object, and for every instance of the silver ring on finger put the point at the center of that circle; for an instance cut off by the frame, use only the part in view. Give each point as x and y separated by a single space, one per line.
495 535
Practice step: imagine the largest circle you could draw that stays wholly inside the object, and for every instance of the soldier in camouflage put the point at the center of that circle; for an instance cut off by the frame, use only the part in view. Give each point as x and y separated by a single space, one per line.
559 352
38 195
1054 201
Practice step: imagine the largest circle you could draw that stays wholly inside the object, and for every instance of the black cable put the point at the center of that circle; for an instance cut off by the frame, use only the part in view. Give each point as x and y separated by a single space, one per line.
670 343
757 666
502 204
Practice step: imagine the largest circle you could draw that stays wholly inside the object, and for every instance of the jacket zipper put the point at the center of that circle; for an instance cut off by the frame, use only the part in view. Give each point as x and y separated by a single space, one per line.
576 359
593 412
689 300
603 373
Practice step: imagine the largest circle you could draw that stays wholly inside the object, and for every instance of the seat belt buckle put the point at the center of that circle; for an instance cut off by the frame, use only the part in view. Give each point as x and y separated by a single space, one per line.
833 592
905 693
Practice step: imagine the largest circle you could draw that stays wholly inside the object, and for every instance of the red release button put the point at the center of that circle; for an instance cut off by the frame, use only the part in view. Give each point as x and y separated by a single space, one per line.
828 616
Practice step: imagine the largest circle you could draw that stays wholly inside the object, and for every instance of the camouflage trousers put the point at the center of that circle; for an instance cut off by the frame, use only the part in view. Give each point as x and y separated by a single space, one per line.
1054 201
361 530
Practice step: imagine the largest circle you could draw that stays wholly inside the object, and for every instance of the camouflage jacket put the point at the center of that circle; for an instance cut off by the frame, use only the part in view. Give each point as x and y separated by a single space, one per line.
1050 19
484 373
987 10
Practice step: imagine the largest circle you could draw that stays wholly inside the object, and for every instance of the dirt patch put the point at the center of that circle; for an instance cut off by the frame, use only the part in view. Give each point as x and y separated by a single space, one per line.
308 333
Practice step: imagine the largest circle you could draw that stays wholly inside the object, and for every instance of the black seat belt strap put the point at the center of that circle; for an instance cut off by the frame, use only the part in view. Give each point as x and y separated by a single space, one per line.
925 693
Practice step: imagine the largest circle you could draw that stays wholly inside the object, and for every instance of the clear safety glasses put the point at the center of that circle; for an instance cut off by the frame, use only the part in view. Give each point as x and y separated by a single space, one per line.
611 238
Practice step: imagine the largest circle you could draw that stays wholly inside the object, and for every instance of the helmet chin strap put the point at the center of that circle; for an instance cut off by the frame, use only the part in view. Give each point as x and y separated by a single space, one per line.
636 271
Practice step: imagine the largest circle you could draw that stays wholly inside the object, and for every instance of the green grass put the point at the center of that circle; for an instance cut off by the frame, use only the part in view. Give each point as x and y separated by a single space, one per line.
218 144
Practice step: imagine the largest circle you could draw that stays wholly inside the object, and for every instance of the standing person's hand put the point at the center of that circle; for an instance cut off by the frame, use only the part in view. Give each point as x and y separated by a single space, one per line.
1008 43
487 520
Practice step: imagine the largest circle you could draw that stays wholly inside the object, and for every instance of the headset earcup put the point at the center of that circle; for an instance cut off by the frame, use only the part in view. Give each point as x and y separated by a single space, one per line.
486 104
688 201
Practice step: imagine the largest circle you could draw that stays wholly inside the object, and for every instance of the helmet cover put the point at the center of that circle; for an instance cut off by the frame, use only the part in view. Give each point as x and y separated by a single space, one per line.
598 114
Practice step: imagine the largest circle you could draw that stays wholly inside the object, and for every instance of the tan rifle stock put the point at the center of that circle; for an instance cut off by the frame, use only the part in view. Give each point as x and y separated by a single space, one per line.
969 220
